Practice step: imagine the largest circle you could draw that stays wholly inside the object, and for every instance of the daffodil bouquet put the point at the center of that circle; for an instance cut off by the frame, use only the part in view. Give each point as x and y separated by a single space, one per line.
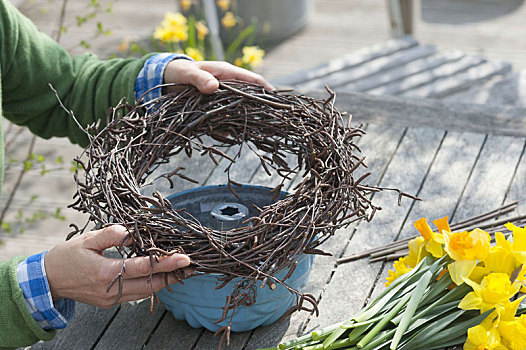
187 32
452 288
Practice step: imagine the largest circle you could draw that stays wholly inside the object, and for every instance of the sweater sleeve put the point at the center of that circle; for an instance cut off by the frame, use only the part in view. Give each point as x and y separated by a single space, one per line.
17 325
30 60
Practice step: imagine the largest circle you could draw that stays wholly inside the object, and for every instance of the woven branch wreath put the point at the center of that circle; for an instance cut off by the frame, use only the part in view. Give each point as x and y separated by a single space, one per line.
290 134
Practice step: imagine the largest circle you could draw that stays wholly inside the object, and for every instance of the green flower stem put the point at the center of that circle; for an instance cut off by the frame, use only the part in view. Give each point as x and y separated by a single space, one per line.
238 41
435 289
325 332
293 342
358 324
191 32
383 322
410 310
338 344
357 332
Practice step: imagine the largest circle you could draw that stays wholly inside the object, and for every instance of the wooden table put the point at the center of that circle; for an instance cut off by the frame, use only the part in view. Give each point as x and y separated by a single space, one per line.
461 159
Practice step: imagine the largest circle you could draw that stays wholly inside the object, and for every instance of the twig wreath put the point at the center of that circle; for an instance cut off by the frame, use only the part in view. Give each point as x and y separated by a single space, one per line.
277 126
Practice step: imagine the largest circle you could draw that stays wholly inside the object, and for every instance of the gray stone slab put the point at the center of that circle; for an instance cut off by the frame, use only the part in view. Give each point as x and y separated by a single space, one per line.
346 61
367 68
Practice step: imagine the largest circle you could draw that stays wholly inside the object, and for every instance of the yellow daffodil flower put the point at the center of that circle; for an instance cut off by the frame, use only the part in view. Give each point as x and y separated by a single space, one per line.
170 34
495 290
434 240
500 257
479 338
405 264
519 244
400 267
472 245
238 62
195 54
223 4
228 21
202 30
252 55
185 4
513 333
173 28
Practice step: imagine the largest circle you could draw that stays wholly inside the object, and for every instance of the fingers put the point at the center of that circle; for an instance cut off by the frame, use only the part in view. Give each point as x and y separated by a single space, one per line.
141 267
140 288
105 238
205 74
225 71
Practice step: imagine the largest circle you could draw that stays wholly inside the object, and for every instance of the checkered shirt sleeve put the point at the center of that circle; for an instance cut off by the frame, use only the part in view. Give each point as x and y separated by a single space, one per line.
32 279
152 74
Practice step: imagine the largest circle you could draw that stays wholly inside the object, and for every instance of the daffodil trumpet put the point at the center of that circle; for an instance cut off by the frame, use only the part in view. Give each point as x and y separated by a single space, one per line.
451 288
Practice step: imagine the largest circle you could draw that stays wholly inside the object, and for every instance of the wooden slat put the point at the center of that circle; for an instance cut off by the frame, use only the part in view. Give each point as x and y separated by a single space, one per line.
131 327
510 90
346 61
368 68
427 78
83 330
463 80
402 72
501 120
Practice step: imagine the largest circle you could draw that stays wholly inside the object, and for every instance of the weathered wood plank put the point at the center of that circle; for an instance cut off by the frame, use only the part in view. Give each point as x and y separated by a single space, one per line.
510 90
404 71
403 111
351 283
350 60
489 183
83 331
463 80
428 78
368 68
379 144
173 334
138 321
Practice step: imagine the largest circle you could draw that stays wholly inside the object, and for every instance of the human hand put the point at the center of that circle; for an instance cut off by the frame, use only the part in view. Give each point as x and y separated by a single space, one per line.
205 75
77 269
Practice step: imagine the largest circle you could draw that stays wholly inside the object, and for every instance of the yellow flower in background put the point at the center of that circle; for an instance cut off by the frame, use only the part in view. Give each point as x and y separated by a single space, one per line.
238 62
173 28
185 4
400 267
479 338
228 21
174 20
434 241
500 257
170 34
223 4
493 292
513 333
202 30
472 245
253 55
195 54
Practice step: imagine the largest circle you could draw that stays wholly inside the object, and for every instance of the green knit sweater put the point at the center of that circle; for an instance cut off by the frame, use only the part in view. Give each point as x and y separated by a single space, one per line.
29 60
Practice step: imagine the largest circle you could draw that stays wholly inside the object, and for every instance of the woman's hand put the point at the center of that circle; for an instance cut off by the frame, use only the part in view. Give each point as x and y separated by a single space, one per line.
77 269
205 75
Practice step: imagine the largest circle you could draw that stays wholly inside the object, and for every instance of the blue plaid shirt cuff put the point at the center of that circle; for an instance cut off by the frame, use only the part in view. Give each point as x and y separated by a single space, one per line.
152 74
32 279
